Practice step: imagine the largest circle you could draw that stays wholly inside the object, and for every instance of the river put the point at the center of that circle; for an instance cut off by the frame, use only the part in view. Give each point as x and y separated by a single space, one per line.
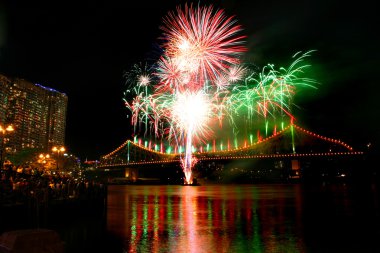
244 218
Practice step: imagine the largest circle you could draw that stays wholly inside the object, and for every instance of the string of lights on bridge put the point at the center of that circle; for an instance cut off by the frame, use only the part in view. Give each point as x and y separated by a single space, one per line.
173 155
244 157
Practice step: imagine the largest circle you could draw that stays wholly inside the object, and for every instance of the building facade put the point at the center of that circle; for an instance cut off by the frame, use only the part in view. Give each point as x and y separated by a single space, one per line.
37 113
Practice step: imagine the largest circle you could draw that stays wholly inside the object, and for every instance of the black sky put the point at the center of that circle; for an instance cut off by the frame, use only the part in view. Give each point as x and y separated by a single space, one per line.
82 48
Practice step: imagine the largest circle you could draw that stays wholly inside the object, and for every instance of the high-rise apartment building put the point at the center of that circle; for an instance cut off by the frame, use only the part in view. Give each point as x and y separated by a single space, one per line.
37 113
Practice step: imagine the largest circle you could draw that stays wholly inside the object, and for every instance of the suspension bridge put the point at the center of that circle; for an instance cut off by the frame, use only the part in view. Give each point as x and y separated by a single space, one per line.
291 143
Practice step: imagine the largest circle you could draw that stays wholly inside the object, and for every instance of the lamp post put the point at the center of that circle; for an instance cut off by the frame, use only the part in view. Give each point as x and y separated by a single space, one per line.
43 159
58 150
4 131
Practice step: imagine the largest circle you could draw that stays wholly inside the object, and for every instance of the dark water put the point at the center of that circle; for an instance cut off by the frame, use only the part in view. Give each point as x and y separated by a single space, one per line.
244 218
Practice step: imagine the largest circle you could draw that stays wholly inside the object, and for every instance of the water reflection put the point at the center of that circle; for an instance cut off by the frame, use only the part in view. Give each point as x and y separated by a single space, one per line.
245 218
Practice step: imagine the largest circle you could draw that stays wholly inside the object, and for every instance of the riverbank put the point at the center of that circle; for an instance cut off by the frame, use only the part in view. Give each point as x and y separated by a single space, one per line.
68 206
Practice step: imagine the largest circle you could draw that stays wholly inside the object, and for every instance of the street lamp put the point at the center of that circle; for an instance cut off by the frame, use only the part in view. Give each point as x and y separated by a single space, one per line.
4 131
58 150
43 158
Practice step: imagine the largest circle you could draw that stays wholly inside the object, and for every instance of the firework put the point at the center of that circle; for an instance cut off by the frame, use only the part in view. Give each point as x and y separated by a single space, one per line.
202 43
200 47
270 92
191 87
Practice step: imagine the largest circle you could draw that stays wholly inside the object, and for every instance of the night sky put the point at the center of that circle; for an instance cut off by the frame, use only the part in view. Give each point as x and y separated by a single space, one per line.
82 48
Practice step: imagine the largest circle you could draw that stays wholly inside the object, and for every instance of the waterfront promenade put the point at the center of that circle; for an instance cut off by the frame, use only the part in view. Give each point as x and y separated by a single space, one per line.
30 202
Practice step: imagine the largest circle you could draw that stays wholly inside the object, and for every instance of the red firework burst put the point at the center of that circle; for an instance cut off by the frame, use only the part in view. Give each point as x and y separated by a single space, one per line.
201 43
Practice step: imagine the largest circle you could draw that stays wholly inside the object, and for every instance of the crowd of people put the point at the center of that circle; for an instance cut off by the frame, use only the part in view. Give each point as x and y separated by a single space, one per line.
19 185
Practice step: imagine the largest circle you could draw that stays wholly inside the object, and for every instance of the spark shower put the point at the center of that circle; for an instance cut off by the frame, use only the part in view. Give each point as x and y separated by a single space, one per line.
200 84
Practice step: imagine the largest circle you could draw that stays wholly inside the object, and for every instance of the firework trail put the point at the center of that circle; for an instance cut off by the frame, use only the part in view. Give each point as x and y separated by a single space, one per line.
200 46
139 79
270 92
